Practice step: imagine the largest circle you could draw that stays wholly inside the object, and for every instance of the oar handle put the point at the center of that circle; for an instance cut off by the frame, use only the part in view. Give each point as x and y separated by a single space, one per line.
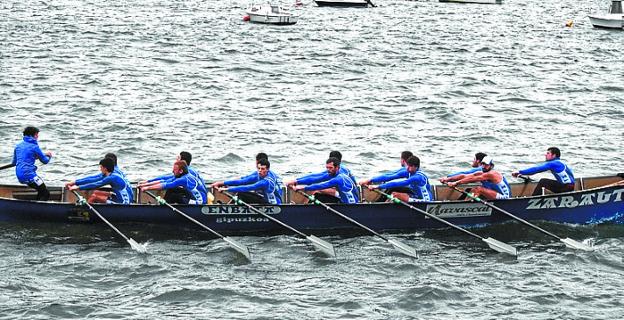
526 179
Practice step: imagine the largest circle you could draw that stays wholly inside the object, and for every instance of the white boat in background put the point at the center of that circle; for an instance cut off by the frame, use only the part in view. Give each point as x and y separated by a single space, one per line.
475 1
343 3
612 20
270 14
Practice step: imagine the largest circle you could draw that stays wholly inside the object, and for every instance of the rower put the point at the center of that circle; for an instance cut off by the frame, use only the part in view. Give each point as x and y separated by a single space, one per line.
476 167
334 186
100 194
24 156
493 184
266 190
416 180
122 191
193 191
563 173
252 178
400 173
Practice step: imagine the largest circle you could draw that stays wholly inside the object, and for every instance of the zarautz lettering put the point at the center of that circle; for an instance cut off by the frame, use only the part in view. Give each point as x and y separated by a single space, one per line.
586 199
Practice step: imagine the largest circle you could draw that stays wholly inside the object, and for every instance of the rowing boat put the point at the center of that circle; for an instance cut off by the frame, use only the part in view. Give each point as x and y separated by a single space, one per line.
595 201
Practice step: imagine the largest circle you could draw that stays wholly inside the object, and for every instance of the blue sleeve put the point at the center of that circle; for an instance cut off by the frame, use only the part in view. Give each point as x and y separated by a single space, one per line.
42 157
541 168
313 178
324 185
96 184
178 182
90 179
471 171
14 157
394 184
389 176
250 187
162 178
250 178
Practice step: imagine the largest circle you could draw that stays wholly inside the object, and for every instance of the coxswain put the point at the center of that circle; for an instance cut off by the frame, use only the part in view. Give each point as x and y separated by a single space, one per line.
24 156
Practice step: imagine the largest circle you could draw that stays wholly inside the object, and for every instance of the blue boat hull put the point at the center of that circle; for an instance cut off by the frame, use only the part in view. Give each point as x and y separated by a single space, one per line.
595 206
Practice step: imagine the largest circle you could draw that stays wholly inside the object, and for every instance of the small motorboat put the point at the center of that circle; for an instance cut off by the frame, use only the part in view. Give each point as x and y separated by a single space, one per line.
270 14
475 1
343 3
612 20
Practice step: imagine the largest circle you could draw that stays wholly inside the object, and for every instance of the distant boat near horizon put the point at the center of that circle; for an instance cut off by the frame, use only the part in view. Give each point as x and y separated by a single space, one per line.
475 1
270 14
342 3
612 20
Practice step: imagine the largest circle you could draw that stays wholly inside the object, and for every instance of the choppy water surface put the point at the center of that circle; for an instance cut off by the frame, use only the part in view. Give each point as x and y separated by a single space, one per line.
147 79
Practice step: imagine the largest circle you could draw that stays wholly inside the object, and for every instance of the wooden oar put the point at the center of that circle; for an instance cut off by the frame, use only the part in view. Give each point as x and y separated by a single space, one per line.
492 243
571 243
6 166
234 244
371 3
525 178
322 245
403 248
137 247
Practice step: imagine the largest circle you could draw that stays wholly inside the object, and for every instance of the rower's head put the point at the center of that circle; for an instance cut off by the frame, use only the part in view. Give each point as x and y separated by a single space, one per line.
107 166
552 153
476 161
31 132
261 155
413 164
404 156
111 156
263 166
186 156
180 168
336 154
487 163
332 165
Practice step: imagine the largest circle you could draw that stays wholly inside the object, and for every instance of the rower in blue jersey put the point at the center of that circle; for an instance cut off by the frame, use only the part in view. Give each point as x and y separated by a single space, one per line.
100 194
338 188
323 176
194 191
178 194
400 173
264 190
24 156
257 184
563 173
476 165
414 179
493 183
122 191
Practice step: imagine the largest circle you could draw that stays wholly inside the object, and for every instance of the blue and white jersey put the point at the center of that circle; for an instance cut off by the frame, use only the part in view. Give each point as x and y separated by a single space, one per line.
267 186
347 189
192 186
122 191
324 176
560 170
24 156
502 188
170 176
401 173
470 171
254 177
417 182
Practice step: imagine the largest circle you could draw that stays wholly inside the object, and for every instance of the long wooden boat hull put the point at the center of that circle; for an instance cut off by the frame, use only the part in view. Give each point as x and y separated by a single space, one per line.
594 206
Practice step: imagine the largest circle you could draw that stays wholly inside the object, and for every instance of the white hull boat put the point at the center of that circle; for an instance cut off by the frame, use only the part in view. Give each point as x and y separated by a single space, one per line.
270 14
613 20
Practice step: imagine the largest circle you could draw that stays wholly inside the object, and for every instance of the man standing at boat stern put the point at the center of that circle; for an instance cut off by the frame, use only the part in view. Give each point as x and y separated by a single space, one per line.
24 156
563 173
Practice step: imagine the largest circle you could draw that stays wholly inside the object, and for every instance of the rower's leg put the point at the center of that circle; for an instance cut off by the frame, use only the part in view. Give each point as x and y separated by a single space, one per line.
42 191
99 196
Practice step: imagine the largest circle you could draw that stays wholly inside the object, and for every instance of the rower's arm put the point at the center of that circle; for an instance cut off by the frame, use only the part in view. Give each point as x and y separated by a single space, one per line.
401 173
475 177
313 178
323 185
248 179
250 187
537 169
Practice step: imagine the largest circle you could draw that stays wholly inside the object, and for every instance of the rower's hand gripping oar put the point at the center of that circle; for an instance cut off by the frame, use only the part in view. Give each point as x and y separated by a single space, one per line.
137 247
401 247
492 243
321 245
571 243
234 244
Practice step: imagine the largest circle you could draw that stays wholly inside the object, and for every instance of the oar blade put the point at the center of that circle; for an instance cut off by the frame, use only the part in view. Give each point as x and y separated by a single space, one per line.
571 243
238 247
403 248
322 245
140 248
501 246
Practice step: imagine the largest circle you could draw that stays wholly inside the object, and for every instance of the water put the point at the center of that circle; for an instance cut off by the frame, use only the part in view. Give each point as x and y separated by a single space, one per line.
151 78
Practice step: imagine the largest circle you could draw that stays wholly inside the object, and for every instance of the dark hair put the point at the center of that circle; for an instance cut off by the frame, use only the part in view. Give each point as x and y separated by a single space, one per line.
264 162
336 154
108 164
555 151
406 155
413 161
261 155
182 165
333 160
31 131
186 156
112 156
480 155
